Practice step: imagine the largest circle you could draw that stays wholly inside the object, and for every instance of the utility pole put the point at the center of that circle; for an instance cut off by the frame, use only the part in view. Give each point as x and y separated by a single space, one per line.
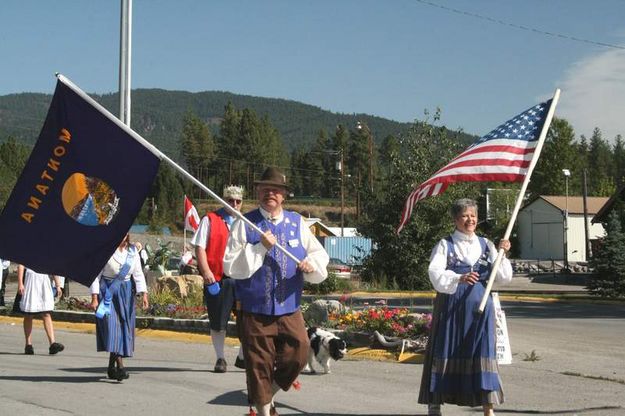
365 129
566 173
342 194
586 231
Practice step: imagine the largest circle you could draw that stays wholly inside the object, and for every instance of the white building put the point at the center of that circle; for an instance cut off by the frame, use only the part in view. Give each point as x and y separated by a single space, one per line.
541 227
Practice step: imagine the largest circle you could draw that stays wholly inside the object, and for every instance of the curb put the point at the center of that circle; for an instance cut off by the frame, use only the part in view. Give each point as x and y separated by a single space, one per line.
195 330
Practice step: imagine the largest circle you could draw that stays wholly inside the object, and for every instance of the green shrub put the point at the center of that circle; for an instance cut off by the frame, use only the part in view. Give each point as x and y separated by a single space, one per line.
332 284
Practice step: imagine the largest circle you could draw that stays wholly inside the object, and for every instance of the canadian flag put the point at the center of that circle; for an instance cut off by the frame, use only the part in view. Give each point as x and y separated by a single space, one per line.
191 219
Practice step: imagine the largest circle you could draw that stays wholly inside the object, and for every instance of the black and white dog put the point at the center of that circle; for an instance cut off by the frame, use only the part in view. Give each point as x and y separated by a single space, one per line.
324 346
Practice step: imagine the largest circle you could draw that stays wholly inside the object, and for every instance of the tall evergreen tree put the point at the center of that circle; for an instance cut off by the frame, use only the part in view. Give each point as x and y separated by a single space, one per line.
608 262
600 167
339 144
619 161
559 152
388 150
297 176
319 165
13 156
167 196
198 147
247 145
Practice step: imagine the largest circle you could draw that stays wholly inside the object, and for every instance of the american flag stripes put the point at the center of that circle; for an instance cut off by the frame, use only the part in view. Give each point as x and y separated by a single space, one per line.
503 155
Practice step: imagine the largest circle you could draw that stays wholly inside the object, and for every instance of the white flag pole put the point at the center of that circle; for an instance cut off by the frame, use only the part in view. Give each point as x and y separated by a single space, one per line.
165 158
519 201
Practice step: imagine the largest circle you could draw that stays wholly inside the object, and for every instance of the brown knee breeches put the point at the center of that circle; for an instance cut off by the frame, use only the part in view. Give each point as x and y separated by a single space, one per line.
275 349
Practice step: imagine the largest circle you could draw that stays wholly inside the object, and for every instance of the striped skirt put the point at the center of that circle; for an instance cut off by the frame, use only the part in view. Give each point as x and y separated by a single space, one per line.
116 331
460 365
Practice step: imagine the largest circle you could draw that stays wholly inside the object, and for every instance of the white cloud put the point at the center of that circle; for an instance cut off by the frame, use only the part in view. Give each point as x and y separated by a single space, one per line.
593 95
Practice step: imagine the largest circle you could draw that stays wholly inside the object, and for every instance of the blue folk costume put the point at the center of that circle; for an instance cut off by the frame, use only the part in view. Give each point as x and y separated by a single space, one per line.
460 365
276 287
115 326
269 289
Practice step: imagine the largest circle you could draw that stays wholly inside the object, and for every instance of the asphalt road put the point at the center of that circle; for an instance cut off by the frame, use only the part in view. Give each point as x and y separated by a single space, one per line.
580 371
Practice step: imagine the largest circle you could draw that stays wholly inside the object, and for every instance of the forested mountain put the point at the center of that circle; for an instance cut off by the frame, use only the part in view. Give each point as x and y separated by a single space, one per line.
158 116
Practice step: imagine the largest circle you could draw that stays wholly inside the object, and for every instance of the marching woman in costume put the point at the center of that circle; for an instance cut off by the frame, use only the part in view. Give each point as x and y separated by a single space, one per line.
37 299
460 364
112 299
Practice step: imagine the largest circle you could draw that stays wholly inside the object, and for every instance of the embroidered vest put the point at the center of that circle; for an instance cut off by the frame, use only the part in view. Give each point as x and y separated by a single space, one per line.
482 266
276 287
216 242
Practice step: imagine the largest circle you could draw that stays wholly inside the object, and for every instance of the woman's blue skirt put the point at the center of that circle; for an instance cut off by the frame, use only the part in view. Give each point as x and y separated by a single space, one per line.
116 332
461 363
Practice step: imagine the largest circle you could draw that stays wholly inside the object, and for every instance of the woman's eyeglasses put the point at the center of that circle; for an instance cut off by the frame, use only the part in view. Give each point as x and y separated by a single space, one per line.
234 201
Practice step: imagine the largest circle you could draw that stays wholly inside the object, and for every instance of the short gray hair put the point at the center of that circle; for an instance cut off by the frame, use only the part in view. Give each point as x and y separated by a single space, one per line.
461 205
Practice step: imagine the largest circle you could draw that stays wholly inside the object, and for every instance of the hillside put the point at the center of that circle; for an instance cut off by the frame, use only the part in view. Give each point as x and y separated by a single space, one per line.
157 115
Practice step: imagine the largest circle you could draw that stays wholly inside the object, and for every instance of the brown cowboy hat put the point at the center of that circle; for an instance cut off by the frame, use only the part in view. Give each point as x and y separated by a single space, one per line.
274 177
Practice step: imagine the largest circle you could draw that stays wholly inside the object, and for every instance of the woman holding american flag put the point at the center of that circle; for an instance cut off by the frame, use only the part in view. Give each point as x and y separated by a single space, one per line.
461 363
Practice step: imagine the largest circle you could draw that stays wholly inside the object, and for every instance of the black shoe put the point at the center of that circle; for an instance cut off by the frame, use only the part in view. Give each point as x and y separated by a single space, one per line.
239 363
221 366
111 373
122 374
55 347
28 350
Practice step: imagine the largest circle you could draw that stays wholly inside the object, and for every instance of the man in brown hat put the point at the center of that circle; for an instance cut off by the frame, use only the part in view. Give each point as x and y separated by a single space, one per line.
269 289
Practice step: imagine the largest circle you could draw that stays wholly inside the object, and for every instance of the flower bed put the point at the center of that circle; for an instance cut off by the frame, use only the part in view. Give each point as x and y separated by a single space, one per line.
396 322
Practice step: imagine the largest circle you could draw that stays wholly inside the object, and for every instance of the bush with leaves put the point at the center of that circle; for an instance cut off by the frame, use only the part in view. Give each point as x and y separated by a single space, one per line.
402 260
609 262
332 284
159 259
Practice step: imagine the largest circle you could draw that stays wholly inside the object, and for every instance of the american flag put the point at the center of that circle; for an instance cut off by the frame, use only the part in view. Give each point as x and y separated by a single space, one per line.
503 155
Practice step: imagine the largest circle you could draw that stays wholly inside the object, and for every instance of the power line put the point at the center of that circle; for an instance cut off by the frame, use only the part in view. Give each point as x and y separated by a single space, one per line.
517 26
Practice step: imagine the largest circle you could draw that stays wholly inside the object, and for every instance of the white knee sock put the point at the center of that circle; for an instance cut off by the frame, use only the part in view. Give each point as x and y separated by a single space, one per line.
219 339
264 410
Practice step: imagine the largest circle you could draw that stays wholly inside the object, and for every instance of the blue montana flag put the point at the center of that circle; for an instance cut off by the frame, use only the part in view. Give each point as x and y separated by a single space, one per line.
81 189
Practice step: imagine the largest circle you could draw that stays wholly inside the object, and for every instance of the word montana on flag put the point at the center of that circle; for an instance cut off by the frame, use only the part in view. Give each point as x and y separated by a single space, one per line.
79 193
503 155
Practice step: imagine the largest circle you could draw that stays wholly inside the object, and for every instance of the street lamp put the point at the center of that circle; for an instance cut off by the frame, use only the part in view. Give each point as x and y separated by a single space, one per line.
363 127
566 174
339 165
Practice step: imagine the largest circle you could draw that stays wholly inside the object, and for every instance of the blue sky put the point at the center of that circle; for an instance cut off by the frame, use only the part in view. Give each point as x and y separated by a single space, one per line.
390 58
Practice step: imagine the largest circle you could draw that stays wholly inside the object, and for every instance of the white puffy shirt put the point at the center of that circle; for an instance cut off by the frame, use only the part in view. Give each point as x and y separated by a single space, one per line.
112 267
241 259
469 251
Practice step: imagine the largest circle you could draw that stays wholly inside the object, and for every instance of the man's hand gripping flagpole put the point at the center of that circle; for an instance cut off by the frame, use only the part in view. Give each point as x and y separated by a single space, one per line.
519 201
165 158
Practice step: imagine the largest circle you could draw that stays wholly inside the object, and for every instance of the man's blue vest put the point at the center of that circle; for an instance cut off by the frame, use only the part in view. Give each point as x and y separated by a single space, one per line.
276 287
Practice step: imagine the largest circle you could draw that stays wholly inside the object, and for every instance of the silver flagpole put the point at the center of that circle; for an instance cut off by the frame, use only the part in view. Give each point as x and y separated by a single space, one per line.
165 158
519 200
125 48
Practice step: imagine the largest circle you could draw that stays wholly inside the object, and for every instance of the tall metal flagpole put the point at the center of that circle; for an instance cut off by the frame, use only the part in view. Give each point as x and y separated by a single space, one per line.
125 38
165 158
519 201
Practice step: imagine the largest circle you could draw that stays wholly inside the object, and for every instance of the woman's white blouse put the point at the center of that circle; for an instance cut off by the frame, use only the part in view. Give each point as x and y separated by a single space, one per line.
112 267
469 250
